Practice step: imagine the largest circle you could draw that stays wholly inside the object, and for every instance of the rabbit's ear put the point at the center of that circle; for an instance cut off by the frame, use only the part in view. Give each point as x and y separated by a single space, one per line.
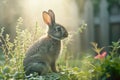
51 13
47 18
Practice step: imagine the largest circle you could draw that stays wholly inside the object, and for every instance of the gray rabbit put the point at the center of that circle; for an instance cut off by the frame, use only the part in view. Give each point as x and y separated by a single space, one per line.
42 55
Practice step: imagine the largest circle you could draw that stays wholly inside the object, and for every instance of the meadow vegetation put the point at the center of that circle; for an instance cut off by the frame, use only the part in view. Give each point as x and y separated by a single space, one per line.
105 65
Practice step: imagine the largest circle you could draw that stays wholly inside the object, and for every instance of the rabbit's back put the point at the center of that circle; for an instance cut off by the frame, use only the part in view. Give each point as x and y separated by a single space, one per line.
45 49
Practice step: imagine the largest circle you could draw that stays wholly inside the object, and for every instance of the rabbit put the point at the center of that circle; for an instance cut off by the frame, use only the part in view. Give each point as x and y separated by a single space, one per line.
42 55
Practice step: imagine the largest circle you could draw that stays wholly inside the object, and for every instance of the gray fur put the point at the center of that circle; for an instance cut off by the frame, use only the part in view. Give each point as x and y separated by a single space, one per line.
42 55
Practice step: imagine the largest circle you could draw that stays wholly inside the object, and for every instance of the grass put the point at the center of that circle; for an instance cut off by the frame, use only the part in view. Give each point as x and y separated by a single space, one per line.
84 67
1 57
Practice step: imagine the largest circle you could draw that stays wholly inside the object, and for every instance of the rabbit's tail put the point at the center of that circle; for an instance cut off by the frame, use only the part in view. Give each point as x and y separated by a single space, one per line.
38 67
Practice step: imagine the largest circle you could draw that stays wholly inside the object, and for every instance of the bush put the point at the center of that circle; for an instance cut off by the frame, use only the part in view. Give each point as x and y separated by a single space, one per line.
107 64
14 52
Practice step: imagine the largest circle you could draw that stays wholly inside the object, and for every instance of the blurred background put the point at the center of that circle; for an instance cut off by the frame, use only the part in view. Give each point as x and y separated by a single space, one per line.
101 16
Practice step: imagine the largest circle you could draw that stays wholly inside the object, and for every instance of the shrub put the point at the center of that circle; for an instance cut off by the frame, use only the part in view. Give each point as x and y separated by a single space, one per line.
107 64
14 52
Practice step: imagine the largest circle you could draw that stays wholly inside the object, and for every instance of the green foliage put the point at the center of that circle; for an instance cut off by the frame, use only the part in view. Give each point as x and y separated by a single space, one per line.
109 65
14 52
85 68
82 27
112 2
96 6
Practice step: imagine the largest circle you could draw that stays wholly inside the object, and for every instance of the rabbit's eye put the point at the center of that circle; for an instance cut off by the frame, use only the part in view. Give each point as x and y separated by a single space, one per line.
58 29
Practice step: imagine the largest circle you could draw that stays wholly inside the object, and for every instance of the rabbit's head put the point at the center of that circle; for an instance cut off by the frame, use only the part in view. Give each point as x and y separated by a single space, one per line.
55 30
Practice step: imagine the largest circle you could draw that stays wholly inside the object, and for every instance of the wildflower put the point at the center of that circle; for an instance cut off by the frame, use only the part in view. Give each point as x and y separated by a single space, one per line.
101 56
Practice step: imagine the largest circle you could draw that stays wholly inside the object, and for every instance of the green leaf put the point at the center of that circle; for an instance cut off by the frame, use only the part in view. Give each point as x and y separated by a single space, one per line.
6 69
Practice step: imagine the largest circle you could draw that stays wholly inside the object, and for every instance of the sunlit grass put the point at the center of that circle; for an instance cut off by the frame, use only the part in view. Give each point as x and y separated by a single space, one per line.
81 67
13 54
1 57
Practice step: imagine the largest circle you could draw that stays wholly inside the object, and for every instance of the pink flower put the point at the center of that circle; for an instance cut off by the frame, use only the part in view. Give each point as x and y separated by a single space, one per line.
101 56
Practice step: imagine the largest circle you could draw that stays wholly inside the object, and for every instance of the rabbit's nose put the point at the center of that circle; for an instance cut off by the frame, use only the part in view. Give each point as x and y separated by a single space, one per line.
65 35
